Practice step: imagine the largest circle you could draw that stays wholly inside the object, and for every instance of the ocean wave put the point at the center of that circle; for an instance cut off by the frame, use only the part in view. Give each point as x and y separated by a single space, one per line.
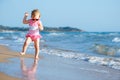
106 50
107 61
114 33
1 37
19 39
7 31
56 34
116 39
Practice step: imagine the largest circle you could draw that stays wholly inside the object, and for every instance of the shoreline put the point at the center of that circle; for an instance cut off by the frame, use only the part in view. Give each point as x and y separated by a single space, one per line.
6 77
5 54
54 68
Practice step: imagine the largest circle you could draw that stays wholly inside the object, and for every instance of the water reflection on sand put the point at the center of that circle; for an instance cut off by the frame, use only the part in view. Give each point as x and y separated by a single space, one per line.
28 72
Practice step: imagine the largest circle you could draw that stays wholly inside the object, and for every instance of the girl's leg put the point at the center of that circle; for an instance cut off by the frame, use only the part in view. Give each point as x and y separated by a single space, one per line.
26 43
36 45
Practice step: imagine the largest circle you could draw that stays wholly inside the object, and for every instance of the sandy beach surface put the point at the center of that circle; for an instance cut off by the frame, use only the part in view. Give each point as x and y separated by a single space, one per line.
49 67
5 53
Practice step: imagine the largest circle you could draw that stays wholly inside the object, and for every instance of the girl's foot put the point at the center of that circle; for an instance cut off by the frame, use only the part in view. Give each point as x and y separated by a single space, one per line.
22 53
36 58
35 61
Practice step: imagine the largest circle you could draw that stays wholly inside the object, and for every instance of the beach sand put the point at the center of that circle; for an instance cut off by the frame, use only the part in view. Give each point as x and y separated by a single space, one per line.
51 67
5 54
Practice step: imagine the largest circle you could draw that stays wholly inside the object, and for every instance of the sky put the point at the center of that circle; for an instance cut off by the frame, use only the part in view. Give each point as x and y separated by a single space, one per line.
88 15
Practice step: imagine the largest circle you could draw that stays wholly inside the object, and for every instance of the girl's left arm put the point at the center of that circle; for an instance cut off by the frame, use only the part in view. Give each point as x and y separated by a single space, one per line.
40 26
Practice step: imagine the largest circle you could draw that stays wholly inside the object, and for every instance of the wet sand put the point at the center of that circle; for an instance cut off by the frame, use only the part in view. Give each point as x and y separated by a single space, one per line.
6 77
5 54
51 68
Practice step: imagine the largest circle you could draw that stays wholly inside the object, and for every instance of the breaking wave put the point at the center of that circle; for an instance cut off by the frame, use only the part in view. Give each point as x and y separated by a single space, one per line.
116 39
105 61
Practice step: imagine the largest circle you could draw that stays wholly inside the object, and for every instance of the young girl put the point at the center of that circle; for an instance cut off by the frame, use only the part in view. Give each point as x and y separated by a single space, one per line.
33 34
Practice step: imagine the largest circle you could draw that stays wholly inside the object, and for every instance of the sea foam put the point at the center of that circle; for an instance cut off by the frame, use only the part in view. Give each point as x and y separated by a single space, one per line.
116 39
107 61
56 34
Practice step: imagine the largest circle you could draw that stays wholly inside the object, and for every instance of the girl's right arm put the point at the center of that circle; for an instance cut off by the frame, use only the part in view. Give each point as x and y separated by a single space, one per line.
25 21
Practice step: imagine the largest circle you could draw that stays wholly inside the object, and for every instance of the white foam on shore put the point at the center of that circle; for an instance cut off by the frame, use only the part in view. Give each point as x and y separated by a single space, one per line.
105 61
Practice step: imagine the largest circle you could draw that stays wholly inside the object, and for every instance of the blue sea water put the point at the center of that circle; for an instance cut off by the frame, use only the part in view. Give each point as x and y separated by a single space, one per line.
101 48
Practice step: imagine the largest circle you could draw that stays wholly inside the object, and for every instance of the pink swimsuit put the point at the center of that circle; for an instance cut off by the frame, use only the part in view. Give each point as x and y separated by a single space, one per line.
33 32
